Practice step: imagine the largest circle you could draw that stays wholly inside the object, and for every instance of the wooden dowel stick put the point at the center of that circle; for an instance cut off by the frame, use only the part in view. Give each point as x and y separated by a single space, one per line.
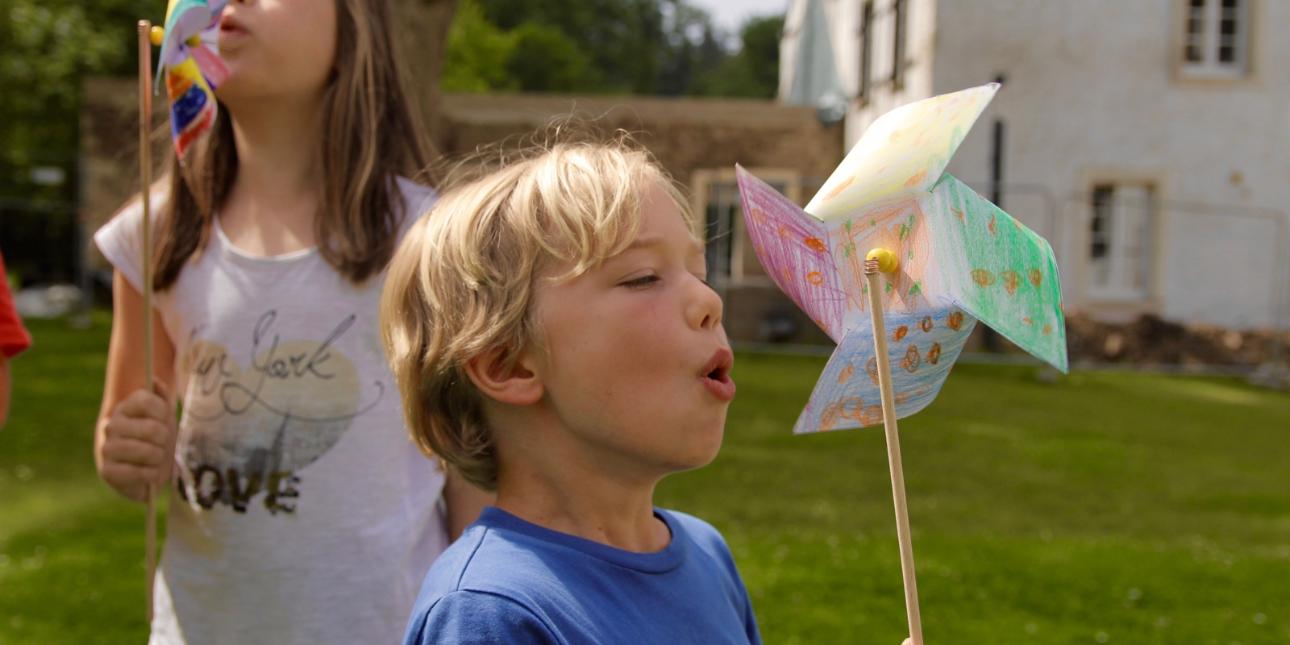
893 454
145 182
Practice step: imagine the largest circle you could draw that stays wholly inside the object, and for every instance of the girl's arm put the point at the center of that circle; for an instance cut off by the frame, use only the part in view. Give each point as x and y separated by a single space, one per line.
464 501
134 437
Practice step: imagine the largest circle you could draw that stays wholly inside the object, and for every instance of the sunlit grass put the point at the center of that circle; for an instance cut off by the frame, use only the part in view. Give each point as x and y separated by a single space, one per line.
1104 508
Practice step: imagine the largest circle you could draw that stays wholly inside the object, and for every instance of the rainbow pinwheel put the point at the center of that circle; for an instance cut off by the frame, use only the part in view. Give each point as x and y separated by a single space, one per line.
191 68
962 259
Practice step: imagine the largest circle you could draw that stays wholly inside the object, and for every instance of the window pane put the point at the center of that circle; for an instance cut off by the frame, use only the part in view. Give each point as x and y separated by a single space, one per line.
1134 204
1194 52
866 47
898 37
1100 225
1121 239
720 214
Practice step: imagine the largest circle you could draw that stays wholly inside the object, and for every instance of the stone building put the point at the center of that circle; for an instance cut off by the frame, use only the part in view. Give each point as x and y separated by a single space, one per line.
1144 139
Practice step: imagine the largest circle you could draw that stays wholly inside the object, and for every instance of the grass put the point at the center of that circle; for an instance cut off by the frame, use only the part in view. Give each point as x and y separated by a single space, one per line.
1104 508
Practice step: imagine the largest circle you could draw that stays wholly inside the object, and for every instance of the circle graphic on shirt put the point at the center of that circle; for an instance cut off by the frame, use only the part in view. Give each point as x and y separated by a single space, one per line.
248 429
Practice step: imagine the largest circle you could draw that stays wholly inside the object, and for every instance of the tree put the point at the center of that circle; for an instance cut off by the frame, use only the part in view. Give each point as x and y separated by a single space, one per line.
694 49
477 53
49 47
543 58
667 47
622 39
754 71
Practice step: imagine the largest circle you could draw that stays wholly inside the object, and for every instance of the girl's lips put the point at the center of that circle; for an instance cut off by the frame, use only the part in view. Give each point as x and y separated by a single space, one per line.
229 25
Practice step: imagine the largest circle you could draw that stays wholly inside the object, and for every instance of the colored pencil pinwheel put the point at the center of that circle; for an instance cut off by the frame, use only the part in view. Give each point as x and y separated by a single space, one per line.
950 256
190 67
961 259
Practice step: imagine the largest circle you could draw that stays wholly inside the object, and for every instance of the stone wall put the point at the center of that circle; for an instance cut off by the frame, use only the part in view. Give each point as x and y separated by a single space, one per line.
695 140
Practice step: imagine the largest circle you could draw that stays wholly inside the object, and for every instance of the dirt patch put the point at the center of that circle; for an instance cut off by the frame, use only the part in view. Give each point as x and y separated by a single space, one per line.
1152 340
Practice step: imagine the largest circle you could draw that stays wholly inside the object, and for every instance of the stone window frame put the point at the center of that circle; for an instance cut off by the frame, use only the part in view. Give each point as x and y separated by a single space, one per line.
864 32
899 42
1205 15
1146 297
741 252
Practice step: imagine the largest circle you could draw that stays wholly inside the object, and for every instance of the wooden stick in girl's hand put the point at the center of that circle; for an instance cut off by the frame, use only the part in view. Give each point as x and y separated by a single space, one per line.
145 185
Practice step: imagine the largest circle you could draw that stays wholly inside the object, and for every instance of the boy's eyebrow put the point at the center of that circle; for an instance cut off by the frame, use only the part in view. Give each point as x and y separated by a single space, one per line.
649 241
644 241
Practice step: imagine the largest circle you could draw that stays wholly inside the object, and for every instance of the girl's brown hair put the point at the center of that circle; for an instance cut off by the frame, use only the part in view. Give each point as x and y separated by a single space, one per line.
370 134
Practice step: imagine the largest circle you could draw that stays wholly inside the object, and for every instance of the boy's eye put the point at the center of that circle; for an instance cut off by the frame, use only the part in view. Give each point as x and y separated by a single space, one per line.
642 281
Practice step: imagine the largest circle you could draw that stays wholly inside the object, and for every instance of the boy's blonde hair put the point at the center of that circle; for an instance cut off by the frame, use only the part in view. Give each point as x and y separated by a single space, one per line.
461 283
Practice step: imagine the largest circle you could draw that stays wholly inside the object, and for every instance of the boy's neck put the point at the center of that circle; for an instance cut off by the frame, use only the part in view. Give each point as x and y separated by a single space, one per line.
580 501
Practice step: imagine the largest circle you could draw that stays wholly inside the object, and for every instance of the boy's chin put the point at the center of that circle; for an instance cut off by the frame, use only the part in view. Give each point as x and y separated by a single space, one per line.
698 457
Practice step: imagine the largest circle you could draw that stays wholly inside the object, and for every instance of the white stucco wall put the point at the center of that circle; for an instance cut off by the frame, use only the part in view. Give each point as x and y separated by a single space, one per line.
1092 93
845 24
920 50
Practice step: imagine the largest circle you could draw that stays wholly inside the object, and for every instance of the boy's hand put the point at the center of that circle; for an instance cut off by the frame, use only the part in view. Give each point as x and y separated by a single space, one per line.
138 444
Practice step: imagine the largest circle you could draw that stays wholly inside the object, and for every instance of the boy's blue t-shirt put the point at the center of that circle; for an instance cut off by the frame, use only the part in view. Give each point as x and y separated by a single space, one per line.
510 581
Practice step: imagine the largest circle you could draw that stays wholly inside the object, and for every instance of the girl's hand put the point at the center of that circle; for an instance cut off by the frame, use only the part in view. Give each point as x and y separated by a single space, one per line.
138 444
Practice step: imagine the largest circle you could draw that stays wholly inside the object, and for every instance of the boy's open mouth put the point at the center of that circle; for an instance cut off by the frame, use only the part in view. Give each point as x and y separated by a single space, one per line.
716 374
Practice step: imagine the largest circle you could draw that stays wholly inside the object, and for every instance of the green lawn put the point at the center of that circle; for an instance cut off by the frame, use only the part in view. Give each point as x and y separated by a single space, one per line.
1106 508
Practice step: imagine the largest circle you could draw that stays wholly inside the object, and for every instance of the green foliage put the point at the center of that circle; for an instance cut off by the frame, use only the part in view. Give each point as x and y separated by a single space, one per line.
663 47
753 72
532 56
1106 507
623 39
475 59
543 58
49 47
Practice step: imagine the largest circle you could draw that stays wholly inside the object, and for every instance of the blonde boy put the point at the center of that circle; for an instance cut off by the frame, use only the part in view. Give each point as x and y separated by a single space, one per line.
555 341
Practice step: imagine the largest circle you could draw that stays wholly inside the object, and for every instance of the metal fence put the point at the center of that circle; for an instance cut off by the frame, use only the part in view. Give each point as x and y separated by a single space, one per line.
40 241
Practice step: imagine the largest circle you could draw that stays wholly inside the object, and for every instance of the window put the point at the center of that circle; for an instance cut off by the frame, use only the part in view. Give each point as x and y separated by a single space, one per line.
1216 38
866 48
729 254
1121 229
899 11
719 225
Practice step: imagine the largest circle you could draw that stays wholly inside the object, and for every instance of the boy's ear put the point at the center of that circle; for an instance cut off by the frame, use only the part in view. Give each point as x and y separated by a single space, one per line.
504 378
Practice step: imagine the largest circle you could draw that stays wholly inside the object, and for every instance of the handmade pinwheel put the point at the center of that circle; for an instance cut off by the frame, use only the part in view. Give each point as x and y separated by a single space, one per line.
190 67
951 258
961 259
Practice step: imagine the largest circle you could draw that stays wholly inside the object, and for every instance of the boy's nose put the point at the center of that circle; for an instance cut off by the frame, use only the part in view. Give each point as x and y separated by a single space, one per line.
705 307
